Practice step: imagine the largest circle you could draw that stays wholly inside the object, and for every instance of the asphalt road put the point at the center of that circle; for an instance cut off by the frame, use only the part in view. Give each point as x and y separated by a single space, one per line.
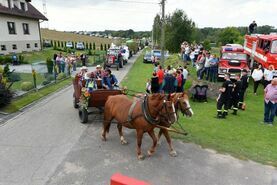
47 145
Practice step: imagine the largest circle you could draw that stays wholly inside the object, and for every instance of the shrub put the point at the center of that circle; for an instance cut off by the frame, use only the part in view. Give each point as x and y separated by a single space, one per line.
61 76
1 70
46 82
89 52
5 95
22 60
27 86
55 47
6 70
7 59
2 60
14 77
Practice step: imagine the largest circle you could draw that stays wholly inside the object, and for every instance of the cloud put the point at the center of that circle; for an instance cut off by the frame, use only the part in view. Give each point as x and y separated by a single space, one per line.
106 14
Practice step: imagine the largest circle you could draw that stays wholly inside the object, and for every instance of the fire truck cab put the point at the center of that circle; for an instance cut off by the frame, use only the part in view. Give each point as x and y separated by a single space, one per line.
232 60
262 49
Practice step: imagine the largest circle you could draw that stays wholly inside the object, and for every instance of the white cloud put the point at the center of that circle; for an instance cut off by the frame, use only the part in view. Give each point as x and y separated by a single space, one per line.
101 15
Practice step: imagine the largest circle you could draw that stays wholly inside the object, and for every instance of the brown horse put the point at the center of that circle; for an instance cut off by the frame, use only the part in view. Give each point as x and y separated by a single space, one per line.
181 103
141 115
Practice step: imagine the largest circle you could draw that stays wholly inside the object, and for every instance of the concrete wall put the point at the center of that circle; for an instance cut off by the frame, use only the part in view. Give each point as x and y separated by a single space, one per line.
20 39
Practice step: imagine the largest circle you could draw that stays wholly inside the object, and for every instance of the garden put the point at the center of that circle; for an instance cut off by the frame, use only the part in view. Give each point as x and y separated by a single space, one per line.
242 136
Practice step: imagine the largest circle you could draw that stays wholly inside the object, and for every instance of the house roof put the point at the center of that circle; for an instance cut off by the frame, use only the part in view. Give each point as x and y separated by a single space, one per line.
32 12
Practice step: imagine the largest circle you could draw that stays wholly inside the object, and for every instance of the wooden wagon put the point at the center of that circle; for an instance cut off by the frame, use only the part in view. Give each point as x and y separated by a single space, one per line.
96 99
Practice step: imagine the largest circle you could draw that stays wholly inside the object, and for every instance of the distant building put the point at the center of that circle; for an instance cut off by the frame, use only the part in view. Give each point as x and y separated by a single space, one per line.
19 26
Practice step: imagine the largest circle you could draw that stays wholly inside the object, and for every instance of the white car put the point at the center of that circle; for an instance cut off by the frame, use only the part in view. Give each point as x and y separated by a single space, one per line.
69 45
80 46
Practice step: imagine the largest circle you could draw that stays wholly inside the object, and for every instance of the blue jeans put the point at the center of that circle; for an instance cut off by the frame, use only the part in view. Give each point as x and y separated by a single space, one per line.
269 112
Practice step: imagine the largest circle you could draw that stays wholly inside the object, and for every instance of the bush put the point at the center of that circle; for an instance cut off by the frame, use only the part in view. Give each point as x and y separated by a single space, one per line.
61 76
1 70
5 96
6 71
46 82
89 52
2 60
22 60
27 86
14 77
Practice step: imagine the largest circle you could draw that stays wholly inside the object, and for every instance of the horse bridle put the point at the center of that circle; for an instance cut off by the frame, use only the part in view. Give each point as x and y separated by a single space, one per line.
149 118
179 103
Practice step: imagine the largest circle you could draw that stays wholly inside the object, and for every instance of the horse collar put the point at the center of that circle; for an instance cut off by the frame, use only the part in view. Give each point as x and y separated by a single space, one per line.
146 112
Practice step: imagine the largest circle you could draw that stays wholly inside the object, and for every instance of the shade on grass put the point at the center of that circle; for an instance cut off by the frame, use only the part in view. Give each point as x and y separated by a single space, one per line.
241 136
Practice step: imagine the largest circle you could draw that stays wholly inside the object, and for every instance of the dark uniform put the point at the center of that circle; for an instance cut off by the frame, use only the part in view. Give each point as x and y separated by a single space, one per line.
244 86
224 99
236 95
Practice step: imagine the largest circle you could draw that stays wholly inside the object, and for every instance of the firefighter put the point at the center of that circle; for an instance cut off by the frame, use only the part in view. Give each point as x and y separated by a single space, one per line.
224 97
244 86
235 94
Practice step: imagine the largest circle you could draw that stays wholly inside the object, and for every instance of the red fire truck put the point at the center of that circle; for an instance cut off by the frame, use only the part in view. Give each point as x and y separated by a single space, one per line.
262 49
233 60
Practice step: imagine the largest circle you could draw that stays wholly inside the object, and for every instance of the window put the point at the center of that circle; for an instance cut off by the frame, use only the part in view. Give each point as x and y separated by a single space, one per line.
26 29
274 47
3 48
22 5
28 46
36 45
14 47
11 27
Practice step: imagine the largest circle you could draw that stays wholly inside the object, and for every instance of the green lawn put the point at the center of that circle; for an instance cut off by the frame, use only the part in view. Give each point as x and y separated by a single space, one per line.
241 136
21 102
27 77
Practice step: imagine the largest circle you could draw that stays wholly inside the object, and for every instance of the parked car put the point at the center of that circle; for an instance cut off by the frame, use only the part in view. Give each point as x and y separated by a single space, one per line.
47 43
69 45
147 58
80 46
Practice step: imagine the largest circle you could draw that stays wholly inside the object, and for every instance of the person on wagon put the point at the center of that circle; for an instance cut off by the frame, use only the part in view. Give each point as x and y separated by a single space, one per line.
99 73
109 80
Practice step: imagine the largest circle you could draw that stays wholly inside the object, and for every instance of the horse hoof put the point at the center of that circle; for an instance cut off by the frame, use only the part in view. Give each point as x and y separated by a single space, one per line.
141 157
103 138
173 153
150 153
124 142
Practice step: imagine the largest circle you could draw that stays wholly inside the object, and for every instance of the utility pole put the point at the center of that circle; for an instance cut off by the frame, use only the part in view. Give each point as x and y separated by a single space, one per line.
163 33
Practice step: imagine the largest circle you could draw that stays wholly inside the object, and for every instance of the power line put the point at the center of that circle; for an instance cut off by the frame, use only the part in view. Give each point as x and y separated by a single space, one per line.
138 2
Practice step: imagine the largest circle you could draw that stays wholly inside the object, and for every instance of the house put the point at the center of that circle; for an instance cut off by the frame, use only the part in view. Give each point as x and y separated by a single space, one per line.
19 26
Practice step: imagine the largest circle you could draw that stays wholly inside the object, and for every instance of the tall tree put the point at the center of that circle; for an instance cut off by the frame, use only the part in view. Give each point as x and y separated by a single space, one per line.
230 35
178 28
157 30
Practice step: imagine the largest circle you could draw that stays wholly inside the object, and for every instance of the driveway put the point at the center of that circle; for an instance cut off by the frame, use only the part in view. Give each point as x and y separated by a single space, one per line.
47 144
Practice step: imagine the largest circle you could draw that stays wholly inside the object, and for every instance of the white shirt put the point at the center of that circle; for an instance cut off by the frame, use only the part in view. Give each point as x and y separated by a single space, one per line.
208 62
257 74
185 73
268 75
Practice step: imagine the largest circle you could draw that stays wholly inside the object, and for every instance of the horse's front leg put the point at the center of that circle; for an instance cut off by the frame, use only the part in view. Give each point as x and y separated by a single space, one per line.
139 141
154 138
172 152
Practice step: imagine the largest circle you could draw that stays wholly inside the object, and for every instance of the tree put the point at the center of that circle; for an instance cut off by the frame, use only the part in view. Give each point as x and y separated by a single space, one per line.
230 35
207 44
94 46
157 30
178 28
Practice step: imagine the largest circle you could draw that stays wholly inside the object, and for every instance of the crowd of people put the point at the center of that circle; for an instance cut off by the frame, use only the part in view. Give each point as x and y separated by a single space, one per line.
206 64
168 80
98 79
68 63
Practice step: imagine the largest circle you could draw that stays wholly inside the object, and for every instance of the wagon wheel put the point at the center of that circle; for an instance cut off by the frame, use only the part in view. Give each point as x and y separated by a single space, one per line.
83 115
75 103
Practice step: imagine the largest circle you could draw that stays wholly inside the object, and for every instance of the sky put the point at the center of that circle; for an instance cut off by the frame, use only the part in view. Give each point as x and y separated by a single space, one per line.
100 15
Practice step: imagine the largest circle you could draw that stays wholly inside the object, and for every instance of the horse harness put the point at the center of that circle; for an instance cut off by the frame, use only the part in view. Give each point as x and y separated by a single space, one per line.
146 112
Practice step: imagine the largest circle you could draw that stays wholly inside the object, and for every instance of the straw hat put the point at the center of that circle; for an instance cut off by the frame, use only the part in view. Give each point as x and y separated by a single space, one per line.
98 66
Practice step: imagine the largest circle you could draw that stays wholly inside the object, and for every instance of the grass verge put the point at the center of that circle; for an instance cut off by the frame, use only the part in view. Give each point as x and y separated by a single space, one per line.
31 97
241 136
